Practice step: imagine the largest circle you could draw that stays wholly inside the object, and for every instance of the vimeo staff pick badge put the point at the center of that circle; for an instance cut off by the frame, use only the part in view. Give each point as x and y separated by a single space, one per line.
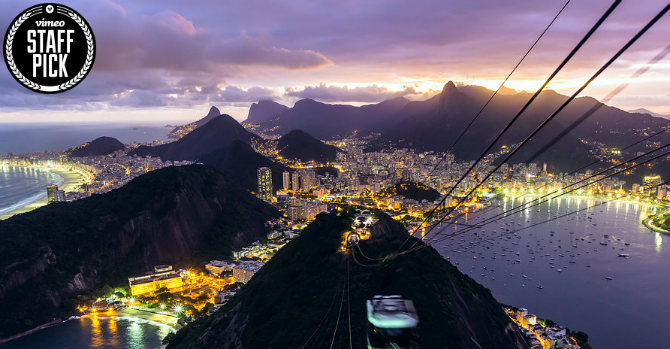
49 48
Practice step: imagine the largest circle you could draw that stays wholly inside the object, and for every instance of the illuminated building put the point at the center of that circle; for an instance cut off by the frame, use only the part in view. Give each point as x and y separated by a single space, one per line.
51 192
243 271
163 276
264 184
59 196
306 210
217 267
650 184
295 181
305 182
286 176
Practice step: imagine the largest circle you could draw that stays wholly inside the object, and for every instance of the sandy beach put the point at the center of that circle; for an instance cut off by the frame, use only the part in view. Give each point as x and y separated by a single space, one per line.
149 316
71 181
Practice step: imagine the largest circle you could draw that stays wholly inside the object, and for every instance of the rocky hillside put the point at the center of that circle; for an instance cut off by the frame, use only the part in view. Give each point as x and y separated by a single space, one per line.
219 132
301 145
294 299
182 130
240 163
263 111
97 147
414 191
187 214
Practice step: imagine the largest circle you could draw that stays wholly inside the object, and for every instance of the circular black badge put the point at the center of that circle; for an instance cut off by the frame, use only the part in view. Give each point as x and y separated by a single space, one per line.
49 48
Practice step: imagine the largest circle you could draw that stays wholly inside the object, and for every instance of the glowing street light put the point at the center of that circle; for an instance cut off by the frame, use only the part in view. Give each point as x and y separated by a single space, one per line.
162 306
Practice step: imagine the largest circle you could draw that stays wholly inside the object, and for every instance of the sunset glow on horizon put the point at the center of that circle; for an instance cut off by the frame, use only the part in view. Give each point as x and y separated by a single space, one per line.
166 58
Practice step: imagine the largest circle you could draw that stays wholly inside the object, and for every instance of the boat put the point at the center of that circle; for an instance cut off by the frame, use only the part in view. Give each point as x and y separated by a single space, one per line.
539 287
608 278
624 255
559 270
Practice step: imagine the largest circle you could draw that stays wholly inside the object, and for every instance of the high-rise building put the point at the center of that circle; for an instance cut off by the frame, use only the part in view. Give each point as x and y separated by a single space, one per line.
286 176
305 182
308 180
51 192
295 181
60 196
651 184
662 191
264 184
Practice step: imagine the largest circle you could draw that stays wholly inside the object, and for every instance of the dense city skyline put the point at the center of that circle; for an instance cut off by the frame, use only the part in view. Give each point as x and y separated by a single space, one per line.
235 54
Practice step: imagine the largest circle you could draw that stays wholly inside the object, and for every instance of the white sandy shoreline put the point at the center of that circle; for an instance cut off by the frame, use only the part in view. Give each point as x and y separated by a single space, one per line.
71 180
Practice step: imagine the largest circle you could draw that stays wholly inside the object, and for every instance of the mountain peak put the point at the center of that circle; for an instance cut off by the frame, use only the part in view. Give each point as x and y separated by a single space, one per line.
263 111
449 87
213 111
299 144
448 93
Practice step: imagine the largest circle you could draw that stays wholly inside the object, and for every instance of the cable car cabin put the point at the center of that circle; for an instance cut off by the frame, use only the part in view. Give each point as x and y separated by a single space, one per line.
392 323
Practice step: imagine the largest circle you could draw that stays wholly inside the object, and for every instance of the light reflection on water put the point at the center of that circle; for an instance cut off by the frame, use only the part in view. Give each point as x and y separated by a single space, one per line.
628 311
96 331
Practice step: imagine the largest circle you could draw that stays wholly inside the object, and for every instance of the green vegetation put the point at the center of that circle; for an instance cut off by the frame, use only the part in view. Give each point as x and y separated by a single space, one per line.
582 339
291 295
301 145
414 191
60 254
662 221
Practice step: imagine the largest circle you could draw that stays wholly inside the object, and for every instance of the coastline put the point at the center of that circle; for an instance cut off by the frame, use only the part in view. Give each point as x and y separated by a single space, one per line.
587 197
70 182
154 318
648 222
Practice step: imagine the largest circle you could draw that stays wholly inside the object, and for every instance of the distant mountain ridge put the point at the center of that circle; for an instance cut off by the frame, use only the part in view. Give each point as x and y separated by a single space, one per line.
263 111
180 131
326 121
97 147
435 123
299 144
446 115
647 111
220 131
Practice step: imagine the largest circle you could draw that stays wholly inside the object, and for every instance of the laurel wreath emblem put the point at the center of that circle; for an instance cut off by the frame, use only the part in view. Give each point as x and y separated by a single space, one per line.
10 57
66 85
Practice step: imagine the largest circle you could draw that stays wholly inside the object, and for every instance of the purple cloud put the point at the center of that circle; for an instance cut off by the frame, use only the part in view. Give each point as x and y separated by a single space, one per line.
180 54
332 93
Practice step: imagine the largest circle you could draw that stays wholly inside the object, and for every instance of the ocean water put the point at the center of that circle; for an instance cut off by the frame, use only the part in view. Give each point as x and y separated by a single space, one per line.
96 332
20 186
38 137
628 311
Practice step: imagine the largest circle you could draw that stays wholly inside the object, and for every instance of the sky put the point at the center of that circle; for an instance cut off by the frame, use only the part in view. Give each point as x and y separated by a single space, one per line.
168 61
